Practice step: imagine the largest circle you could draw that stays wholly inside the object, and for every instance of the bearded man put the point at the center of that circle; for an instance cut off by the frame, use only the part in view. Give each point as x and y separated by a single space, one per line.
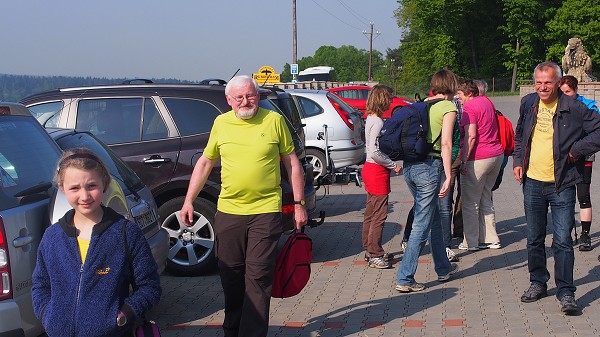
250 142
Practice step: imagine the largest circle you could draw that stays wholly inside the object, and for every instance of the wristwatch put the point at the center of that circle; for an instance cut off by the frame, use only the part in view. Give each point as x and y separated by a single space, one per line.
301 202
121 318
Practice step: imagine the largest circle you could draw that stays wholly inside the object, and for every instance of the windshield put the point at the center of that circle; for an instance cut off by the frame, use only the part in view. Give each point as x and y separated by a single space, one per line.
118 169
28 158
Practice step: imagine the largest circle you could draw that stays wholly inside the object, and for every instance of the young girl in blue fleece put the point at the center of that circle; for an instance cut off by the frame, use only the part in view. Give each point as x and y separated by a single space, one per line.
82 277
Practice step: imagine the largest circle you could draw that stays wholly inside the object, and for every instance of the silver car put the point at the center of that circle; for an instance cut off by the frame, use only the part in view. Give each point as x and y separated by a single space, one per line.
325 114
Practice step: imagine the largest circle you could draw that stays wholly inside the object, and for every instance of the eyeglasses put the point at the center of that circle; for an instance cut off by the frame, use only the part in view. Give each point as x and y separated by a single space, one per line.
240 99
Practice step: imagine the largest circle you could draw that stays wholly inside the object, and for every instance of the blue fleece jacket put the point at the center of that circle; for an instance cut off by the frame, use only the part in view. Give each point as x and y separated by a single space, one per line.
75 299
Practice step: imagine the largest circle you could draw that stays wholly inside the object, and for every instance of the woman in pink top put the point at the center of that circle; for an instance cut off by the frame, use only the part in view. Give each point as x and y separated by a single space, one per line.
481 158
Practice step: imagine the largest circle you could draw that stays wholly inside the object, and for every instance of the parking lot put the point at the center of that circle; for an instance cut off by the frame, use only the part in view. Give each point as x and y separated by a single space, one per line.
346 298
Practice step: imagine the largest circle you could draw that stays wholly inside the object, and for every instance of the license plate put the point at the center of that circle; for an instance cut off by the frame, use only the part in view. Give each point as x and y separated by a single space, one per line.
145 219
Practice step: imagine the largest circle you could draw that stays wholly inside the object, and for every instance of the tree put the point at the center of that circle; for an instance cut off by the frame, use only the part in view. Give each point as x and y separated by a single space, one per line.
350 63
523 21
575 18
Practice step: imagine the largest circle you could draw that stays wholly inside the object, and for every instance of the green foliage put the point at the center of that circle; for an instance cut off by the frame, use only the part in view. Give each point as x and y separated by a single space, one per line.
459 35
350 63
575 18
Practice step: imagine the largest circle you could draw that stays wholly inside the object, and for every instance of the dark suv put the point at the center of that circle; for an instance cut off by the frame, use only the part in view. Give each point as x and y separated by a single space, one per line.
160 130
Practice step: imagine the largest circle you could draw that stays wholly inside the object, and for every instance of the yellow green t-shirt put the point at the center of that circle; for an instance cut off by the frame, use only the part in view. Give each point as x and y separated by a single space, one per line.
541 157
84 245
250 153
436 120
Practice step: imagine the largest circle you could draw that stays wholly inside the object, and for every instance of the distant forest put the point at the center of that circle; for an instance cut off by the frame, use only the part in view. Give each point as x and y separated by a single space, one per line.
15 87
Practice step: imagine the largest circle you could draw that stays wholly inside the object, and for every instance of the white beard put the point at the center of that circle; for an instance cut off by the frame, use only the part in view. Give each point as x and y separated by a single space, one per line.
246 113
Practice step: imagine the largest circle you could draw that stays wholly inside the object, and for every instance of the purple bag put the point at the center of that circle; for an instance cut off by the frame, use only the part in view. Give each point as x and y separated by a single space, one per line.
148 329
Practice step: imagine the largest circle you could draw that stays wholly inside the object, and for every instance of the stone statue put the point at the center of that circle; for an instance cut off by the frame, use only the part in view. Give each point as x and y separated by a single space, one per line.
576 61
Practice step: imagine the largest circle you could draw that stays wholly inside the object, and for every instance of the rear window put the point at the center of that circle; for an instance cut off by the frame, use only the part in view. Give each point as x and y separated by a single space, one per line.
192 116
309 107
114 120
28 159
343 105
47 113
129 180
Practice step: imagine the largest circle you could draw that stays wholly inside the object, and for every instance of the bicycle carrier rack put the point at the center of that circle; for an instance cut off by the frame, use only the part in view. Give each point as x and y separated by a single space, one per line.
332 175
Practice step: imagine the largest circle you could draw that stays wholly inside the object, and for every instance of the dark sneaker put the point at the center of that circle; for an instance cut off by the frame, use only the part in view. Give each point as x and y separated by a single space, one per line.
379 263
453 269
451 255
568 304
387 257
585 243
410 287
534 293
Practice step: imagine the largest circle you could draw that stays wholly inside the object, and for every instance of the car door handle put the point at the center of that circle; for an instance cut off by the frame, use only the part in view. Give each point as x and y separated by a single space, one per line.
22 241
156 160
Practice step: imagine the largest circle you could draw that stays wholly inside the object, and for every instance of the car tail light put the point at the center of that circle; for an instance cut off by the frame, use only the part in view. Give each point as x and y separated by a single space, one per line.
343 113
5 288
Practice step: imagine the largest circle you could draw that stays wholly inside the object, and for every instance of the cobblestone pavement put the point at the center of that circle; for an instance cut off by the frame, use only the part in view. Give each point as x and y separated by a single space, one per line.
347 298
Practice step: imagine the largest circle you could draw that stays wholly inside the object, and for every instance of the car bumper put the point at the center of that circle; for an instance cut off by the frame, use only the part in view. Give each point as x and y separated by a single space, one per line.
346 156
10 320
159 245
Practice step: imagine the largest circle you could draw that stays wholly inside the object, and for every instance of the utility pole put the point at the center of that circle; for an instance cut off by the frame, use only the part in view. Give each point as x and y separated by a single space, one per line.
370 37
295 44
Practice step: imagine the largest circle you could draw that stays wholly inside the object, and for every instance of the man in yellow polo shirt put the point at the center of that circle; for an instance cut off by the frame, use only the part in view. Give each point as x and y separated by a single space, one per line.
250 141
554 134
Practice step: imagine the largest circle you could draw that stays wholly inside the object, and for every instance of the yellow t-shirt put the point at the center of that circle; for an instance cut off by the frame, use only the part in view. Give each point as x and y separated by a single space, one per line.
250 161
541 158
84 245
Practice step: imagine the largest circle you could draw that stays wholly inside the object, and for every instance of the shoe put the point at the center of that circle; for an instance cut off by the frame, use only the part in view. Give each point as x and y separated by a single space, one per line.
379 263
410 287
453 269
403 247
495 245
568 304
451 255
463 246
585 243
534 293
386 257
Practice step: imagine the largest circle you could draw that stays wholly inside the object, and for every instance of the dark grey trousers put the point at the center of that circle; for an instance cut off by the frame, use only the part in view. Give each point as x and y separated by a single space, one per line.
246 249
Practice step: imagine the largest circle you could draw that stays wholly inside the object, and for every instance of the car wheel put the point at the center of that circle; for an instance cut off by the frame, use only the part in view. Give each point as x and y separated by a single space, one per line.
317 159
191 249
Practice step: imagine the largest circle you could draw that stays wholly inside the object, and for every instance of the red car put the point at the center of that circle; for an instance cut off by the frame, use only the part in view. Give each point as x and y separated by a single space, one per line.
356 96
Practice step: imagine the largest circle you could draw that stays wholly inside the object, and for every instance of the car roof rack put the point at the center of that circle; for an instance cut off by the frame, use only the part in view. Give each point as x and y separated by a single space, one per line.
143 80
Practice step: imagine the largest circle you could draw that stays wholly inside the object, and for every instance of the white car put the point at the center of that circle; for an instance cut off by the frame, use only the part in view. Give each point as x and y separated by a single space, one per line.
324 113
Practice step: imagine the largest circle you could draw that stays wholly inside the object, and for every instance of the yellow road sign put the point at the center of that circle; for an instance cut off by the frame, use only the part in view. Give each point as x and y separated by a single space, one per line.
266 74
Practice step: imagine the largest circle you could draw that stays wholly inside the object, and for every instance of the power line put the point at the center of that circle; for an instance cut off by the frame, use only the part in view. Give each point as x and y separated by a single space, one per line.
328 12
354 13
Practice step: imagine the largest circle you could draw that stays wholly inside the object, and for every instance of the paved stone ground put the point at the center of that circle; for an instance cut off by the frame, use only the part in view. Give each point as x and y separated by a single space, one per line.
346 298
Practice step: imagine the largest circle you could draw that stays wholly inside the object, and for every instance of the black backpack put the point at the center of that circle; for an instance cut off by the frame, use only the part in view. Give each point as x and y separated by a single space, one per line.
404 135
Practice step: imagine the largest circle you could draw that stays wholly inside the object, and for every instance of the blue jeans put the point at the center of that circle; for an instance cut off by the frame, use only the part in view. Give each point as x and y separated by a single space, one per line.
537 197
445 209
423 181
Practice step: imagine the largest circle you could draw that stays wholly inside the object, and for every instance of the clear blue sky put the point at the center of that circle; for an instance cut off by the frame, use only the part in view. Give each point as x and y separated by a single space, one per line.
183 39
